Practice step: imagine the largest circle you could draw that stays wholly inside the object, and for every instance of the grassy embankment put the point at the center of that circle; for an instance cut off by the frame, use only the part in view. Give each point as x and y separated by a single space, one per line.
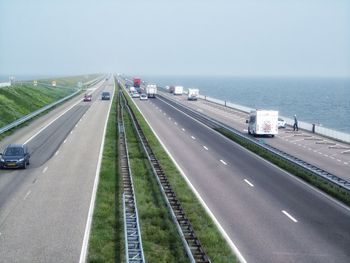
207 232
323 184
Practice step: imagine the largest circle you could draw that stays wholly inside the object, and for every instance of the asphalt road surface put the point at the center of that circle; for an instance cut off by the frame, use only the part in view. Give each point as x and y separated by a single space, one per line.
269 214
43 209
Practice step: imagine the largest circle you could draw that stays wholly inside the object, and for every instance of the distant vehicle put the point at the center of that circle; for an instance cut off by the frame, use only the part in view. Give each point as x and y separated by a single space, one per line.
53 83
263 122
135 95
178 90
132 89
137 82
87 97
171 89
151 90
193 94
143 96
105 95
15 156
281 123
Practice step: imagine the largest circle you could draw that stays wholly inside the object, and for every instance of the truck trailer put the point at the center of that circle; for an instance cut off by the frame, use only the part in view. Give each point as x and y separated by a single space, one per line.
178 90
263 122
151 90
193 94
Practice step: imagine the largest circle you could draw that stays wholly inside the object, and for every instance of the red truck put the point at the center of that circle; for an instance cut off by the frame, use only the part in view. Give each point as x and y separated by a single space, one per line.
137 82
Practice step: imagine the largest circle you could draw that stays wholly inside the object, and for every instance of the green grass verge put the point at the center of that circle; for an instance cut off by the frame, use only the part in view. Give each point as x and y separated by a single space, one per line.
332 189
210 237
161 242
71 80
105 244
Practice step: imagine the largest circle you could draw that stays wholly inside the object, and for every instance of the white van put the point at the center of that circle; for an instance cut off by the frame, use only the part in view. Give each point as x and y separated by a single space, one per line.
263 122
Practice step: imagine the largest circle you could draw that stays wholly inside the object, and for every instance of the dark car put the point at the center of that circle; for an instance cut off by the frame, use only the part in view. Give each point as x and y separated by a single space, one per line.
87 97
15 156
105 95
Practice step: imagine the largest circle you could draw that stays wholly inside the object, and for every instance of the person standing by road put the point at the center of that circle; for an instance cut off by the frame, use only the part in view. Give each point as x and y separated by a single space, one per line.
295 126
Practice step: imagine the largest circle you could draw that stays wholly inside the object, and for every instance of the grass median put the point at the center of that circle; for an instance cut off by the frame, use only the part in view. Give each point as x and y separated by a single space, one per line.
214 244
105 244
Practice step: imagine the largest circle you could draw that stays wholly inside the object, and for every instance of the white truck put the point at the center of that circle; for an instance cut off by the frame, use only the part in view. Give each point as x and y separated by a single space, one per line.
193 94
263 122
178 90
151 90
132 89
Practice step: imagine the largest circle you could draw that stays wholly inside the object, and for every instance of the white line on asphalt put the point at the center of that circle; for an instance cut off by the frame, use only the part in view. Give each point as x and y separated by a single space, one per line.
27 194
85 244
36 134
338 160
57 153
245 180
320 153
175 123
193 137
205 147
223 162
326 155
45 169
65 141
71 132
183 129
290 217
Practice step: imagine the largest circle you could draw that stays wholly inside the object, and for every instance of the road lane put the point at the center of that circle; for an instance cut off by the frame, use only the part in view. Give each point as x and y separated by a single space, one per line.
45 218
253 217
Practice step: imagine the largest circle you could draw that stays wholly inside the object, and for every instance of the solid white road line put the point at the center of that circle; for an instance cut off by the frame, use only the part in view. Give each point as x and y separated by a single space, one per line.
205 147
84 248
290 217
45 169
223 162
245 180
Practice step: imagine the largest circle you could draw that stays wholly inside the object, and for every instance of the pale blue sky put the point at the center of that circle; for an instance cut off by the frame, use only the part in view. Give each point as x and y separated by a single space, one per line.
160 37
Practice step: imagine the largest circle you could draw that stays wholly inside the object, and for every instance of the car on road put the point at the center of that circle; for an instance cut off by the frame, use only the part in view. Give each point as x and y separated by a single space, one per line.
15 156
281 123
87 97
105 95
135 95
143 96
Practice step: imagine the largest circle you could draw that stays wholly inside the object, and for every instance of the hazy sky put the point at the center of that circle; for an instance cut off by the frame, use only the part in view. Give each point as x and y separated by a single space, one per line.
178 37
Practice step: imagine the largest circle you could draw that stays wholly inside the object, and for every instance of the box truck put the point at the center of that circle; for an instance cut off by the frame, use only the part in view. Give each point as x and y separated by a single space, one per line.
193 94
137 82
263 122
178 90
151 90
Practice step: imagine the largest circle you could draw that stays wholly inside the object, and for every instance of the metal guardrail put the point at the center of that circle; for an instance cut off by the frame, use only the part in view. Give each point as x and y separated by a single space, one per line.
281 154
133 242
191 242
35 113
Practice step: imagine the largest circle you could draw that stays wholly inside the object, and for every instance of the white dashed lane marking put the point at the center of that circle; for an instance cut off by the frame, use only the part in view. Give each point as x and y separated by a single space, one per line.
205 147
223 162
289 216
45 169
193 137
245 180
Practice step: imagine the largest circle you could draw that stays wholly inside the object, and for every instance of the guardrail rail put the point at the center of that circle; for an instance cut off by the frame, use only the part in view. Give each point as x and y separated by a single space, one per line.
133 242
191 242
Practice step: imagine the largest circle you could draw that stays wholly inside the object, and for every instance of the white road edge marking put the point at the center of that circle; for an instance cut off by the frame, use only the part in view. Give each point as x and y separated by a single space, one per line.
221 229
57 152
290 217
36 134
205 147
27 194
45 169
65 141
223 162
245 180
85 244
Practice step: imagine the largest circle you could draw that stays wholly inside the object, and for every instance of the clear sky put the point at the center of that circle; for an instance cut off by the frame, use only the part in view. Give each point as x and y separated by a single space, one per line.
176 37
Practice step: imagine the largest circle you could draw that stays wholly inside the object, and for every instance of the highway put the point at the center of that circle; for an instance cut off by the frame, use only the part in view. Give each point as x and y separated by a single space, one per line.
325 153
44 209
267 213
